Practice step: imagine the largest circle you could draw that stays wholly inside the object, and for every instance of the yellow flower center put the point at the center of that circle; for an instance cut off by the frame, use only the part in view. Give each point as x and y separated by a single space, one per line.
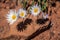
35 10
22 14
13 17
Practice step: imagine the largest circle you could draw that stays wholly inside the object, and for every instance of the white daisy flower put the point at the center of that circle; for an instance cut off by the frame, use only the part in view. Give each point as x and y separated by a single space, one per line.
12 16
22 13
35 10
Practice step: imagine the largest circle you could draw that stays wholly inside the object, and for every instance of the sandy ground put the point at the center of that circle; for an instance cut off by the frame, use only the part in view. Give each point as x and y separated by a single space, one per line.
7 30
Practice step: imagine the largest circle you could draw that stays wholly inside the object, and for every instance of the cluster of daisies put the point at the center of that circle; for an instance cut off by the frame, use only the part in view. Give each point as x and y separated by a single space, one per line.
12 15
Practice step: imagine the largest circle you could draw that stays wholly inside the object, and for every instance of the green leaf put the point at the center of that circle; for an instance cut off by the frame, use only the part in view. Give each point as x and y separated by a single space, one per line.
44 1
43 7
24 4
33 3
